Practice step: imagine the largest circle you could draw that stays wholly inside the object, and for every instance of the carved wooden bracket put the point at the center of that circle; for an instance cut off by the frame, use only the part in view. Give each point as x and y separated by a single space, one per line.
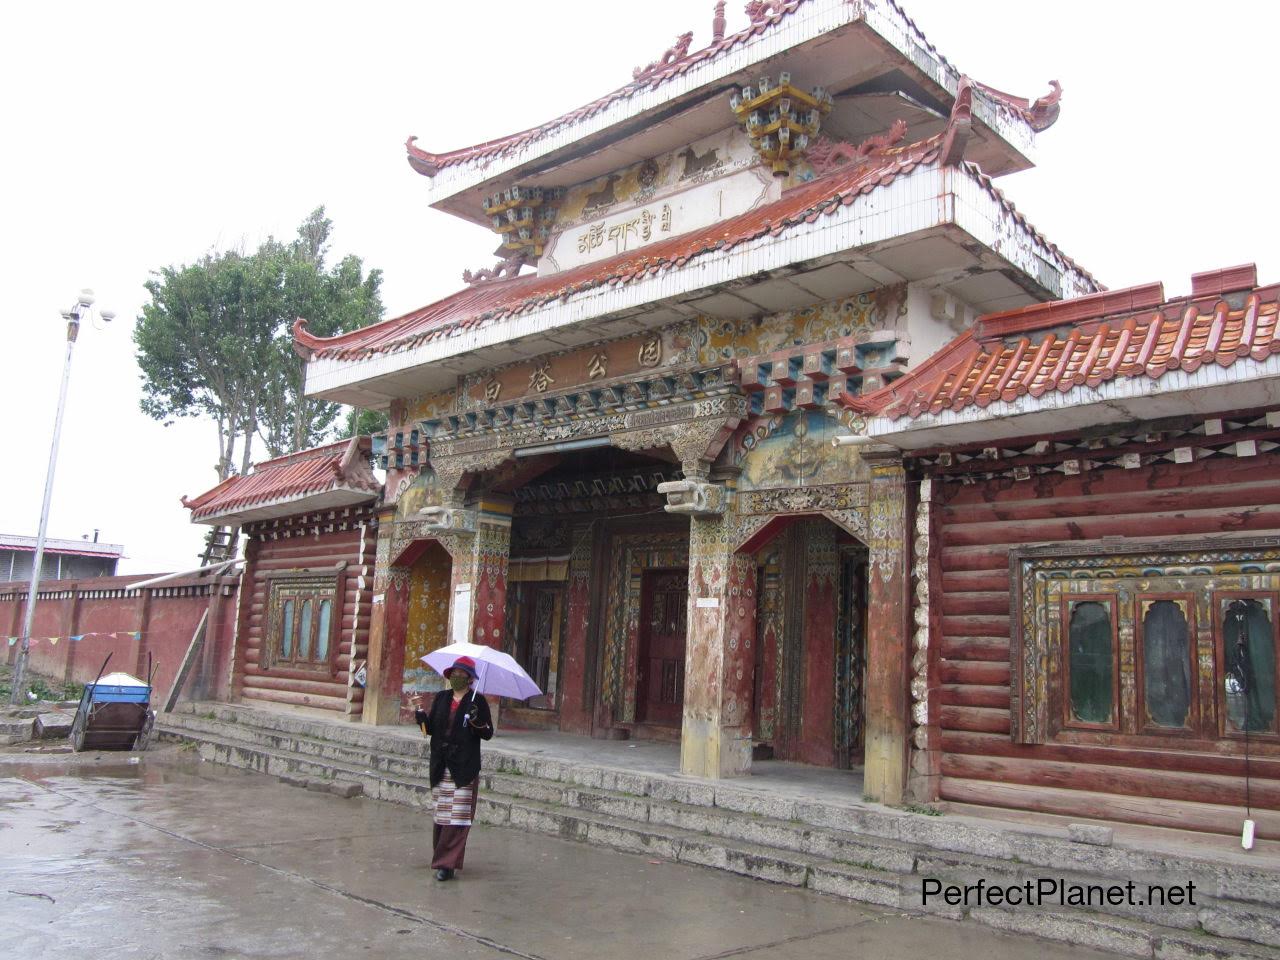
695 433
447 519
450 470
693 497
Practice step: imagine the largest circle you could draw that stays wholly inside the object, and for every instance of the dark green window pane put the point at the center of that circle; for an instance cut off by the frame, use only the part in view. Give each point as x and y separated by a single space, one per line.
1090 661
1250 655
286 630
304 631
1166 678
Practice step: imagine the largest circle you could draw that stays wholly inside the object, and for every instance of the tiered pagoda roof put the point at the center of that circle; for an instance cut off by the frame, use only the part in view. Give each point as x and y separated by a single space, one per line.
821 217
860 50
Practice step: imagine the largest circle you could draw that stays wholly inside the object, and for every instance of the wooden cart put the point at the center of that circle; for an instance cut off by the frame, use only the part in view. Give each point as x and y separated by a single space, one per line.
114 714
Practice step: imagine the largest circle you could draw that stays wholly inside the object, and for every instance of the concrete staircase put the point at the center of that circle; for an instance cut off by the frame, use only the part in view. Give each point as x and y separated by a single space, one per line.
862 852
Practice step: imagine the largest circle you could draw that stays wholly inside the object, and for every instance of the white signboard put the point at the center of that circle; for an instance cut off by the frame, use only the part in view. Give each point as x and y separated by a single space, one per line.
710 603
460 613
635 227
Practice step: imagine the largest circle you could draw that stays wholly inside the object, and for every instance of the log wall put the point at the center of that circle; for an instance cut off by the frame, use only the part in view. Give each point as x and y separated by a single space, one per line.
1200 786
268 553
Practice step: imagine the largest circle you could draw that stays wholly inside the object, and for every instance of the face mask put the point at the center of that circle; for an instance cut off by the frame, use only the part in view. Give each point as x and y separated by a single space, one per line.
459 680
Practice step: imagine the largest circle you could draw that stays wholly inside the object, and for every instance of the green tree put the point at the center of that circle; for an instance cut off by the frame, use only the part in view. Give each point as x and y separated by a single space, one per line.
361 422
333 301
215 340
199 342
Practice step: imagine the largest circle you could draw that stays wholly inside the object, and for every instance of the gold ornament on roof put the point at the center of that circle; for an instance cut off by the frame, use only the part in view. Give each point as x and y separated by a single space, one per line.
780 119
523 217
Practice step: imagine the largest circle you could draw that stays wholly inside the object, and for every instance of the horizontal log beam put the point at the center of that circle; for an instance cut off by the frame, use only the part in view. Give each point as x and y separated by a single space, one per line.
962 695
1210 818
975 719
1192 760
1129 781
982 674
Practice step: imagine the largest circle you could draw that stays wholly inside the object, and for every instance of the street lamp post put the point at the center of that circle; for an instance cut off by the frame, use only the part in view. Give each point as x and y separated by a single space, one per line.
81 310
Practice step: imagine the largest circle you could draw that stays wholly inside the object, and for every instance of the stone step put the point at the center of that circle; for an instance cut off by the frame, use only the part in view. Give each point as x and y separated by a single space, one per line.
749 828
16 730
864 868
888 835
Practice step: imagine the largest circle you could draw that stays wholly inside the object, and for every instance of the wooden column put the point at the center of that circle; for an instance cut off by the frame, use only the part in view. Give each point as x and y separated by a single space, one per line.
716 736
887 700
480 564
575 697
246 592
387 624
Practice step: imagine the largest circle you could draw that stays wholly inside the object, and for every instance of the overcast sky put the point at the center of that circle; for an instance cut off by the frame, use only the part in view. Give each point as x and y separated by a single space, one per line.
144 134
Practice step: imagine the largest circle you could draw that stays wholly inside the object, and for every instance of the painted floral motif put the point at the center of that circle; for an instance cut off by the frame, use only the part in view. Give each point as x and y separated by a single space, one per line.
794 450
631 555
721 339
428 620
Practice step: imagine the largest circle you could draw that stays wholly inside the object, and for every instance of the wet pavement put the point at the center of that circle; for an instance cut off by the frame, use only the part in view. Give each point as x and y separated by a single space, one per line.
171 857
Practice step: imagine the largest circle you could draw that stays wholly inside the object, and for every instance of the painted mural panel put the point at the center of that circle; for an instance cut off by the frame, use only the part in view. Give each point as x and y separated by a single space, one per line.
717 155
722 339
795 450
428 627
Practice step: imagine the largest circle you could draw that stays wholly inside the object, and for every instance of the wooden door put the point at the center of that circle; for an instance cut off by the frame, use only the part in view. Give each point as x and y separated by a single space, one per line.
544 636
537 645
851 658
664 602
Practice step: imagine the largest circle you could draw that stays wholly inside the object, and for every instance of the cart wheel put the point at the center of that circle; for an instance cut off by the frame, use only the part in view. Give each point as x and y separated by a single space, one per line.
77 732
143 739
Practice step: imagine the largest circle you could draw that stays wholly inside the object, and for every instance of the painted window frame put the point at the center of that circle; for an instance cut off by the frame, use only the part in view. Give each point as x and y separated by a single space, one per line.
1194 725
1066 717
1220 662
1134 570
301 586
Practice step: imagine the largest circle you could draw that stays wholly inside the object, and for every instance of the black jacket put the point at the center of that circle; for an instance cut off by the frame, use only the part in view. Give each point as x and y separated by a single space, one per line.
456 746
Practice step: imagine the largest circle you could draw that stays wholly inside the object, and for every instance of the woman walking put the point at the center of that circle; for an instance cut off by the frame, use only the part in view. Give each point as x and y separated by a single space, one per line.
457 720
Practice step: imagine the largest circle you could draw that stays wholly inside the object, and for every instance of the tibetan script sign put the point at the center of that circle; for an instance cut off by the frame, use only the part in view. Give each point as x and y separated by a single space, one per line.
634 228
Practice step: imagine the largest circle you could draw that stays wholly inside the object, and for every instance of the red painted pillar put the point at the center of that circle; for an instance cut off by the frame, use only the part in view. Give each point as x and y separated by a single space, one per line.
575 713
818 646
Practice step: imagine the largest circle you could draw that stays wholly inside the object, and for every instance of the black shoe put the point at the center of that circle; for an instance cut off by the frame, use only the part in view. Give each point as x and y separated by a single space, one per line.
443 874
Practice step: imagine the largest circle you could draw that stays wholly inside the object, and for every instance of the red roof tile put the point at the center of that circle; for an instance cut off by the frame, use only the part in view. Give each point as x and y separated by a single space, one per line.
319 470
1085 342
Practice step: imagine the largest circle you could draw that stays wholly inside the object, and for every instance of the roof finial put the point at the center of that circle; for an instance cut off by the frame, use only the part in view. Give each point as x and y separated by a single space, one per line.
758 11
673 54
717 23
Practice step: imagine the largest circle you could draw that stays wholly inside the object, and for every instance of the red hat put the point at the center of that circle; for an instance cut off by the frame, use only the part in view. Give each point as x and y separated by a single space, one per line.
463 663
